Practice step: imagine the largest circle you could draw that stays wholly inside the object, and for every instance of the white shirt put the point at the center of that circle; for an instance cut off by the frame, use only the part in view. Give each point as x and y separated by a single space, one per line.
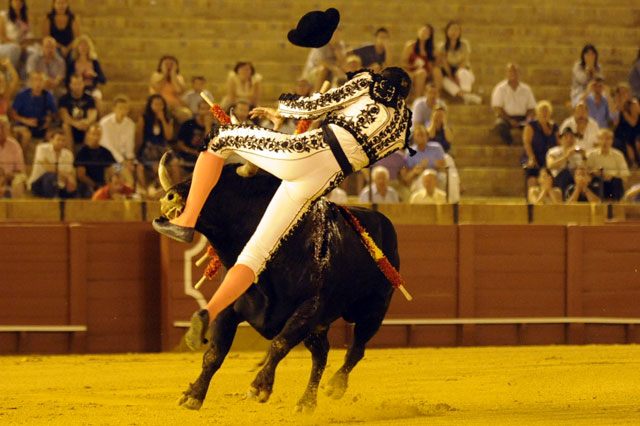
613 163
45 154
338 196
589 139
513 102
390 197
119 138
570 163
421 196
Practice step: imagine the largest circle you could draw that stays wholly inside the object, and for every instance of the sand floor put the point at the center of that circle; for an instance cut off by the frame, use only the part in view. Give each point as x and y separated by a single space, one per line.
552 385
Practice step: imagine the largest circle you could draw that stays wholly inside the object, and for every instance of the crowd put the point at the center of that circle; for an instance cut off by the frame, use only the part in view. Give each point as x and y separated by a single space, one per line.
52 118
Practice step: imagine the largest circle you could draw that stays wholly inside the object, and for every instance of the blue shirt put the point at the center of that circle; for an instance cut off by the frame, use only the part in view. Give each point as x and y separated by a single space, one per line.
599 112
34 106
431 153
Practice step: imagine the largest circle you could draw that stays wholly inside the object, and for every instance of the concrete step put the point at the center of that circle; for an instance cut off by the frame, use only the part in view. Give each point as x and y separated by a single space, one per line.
486 156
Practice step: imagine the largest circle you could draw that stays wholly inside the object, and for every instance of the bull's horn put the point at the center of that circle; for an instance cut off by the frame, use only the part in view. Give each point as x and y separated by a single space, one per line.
163 173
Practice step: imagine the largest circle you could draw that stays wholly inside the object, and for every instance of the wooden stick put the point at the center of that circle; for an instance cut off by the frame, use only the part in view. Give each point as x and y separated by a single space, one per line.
202 259
207 98
325 86
404 292
202 280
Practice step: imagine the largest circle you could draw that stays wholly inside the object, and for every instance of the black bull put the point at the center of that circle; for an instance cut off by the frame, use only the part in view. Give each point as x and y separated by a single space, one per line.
320 273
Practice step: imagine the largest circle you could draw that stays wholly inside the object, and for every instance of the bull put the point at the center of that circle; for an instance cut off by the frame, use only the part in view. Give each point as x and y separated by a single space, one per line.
321 272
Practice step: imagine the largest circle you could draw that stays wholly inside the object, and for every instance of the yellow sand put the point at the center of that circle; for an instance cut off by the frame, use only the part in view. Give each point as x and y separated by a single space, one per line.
566 385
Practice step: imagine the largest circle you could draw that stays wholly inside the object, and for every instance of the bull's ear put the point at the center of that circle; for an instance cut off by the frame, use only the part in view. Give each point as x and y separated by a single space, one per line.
163 173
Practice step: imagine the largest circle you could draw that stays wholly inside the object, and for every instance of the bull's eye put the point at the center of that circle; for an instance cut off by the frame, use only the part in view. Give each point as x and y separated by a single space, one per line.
170 197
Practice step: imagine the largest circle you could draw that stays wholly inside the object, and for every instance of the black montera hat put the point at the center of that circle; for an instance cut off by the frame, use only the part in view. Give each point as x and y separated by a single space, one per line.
315 29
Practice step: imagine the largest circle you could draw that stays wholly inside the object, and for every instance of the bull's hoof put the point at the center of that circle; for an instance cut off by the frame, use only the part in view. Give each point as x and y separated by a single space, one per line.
261 396
305 407
189 402
337 386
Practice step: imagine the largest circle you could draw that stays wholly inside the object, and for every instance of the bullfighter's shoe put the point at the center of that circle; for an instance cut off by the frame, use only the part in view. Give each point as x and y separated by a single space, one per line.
179 233
198 329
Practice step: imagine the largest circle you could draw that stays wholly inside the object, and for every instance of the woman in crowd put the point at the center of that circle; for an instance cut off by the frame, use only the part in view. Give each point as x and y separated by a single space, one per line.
7 87
62 25
584 71
628 131
453 55
15 33
243 83
84 62
438 129
418 59
544 192
168 82
540 135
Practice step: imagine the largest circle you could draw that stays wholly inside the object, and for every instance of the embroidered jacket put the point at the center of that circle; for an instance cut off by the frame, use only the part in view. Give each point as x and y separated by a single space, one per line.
367 106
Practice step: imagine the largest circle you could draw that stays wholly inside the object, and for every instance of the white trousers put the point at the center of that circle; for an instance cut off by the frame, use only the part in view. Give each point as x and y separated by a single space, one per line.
466 79
307 168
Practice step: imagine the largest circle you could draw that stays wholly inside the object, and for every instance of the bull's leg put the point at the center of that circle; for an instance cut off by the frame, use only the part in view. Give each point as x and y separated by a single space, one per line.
223 330
296 329
318 344
363 332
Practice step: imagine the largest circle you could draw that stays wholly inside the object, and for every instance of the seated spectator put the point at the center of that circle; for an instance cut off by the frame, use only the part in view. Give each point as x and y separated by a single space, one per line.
154 130
326 62
396 165
18 31
545 192
119 133
634 77
380 192
621 95
12 175
49 62
439 131
52 174
633 194
9 47
32 110
538 137
423 106
191 136
452 183
608 166
596 97
7 87
513 103
168 82
338 196
581 191
241 112
562 160
429 193
243 84
83 61
584 71
94 163
628 131
192 97
429 155
584 127
453 55
374 56
116 189
78 112
419 60
62 25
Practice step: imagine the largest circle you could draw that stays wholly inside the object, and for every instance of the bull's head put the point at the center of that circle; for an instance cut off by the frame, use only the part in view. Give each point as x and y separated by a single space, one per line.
172 204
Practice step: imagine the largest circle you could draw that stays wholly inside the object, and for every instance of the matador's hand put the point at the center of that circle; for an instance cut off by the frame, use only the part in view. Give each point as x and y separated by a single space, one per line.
272 114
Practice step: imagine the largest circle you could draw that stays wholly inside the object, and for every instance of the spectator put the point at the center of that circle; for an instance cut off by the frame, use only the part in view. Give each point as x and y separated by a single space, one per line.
18 30
538 137
628 131
7 88
338 196
381 192
596 97
9 46
374 56
439 131
633 194
83 61
419 60
545 192
429 155
243 83
52 174
562 160
622 94
326 62
584 127
49 62
116 189
608 166
634 77
456 70
94 163
352 63
154 130
62 25
584 71
192 134
241 112
168 82
581 191
119 132
192 97
513 103
396 165
429 193
78 112
12 175
423 106
32 109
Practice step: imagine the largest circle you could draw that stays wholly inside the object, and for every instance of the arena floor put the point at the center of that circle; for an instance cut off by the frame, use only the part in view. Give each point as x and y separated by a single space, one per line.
553 385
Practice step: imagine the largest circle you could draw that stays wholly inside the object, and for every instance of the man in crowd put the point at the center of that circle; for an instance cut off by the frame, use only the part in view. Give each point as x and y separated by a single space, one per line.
51 64
381 192
94 163
423 106
191 135
513 103
581 191
596 98
52 174
429 193
119 136
584 127
116 189
374 56
78 111
563 159
33 109
608 166
192 97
